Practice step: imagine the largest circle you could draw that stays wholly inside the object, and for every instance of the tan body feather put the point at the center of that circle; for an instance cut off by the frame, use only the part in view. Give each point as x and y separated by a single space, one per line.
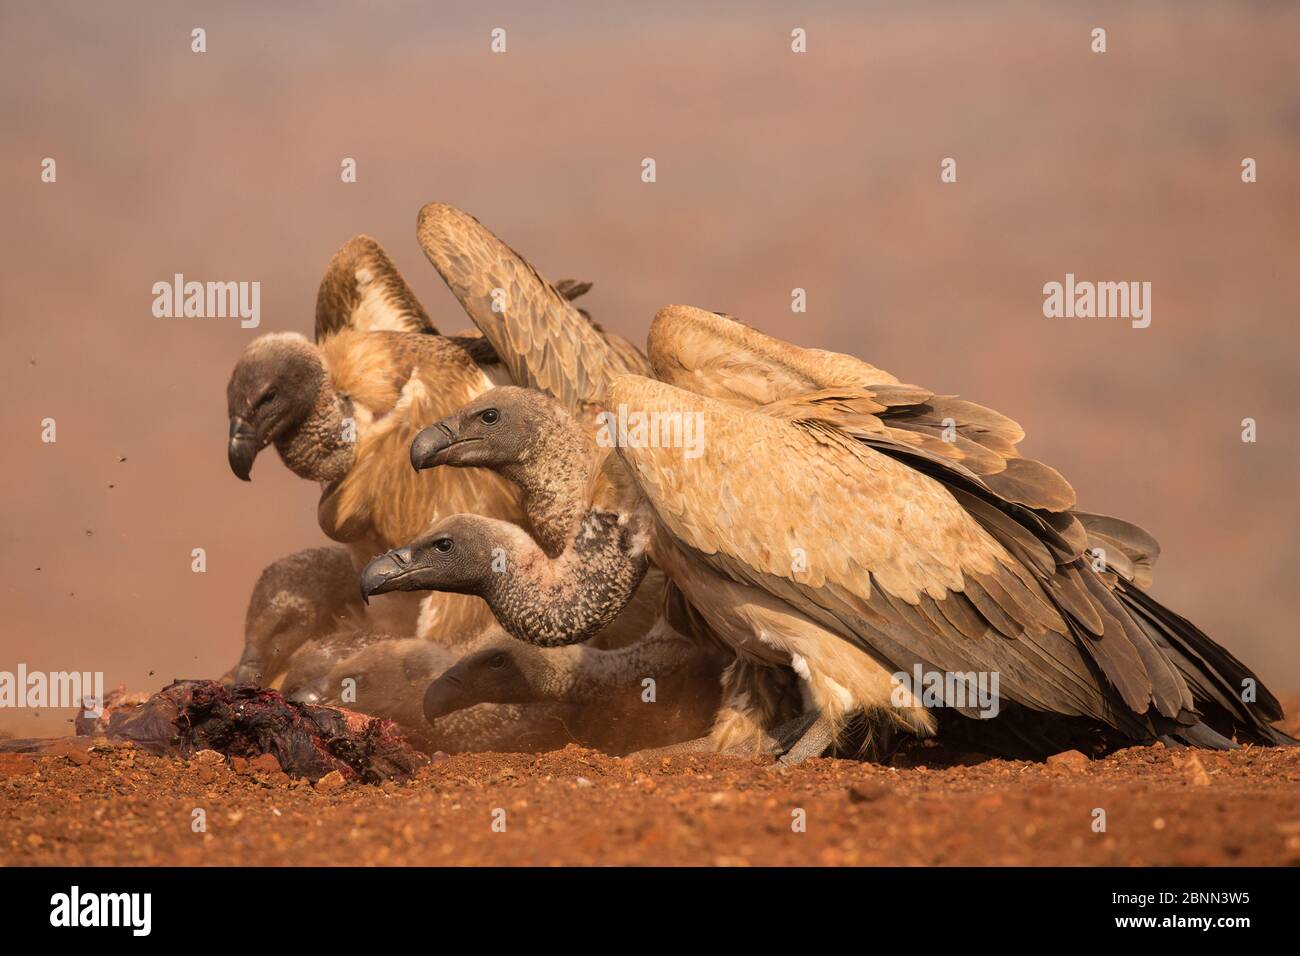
398 382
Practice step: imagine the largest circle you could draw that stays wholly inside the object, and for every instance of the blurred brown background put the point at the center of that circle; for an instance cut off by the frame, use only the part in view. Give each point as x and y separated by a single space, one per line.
774 171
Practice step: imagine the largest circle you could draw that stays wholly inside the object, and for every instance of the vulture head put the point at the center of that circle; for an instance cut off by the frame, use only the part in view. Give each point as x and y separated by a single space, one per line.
504 672
536 599
461 554
504 427
275 395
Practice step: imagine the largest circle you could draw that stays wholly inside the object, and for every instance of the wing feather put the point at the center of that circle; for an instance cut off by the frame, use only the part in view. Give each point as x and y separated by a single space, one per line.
543 340
362 290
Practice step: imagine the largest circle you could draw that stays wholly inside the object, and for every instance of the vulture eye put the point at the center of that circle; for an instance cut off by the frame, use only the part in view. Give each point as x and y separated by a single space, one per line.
498 660
267 396
443 545
490 417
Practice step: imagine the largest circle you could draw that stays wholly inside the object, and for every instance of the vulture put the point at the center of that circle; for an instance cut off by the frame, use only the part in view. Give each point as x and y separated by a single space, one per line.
841 525
342 411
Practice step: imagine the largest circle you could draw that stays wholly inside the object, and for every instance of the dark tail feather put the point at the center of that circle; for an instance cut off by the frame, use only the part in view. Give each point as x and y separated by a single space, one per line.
1215 677
1207 738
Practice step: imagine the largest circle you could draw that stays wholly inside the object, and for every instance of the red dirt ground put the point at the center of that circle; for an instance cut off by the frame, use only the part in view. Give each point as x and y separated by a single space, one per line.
115 805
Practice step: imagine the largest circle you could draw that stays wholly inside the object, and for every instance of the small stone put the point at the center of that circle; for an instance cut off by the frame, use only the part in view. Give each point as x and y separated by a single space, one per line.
208 757
264 763
867 792
76 749
331 782
1068 760
582 782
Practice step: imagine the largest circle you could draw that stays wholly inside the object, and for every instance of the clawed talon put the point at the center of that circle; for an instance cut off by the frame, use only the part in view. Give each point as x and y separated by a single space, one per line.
810 735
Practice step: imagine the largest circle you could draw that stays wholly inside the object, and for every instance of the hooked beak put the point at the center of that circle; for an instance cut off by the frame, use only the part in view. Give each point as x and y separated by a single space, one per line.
243 447
444 696
391 571
430 444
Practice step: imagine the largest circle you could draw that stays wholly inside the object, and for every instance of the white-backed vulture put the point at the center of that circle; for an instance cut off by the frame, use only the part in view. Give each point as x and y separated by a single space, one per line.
842 533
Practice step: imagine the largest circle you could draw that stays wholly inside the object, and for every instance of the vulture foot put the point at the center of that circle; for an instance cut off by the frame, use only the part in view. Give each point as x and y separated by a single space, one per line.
814 739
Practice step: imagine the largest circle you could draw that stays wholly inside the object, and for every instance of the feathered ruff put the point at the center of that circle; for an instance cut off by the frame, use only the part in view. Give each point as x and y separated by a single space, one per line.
398 383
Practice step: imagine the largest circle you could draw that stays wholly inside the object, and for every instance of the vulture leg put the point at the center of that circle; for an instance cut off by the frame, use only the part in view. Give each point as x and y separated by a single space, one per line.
813 742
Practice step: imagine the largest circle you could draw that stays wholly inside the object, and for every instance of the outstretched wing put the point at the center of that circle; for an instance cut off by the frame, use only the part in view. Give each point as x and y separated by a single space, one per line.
363 290
715 355
541 338
951 439
892 560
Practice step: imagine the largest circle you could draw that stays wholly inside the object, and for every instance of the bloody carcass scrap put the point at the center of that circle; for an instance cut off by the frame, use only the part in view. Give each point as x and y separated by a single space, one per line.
247 721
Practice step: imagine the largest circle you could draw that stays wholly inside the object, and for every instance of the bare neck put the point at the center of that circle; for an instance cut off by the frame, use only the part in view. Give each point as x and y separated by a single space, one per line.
571 598
554 486
319 448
